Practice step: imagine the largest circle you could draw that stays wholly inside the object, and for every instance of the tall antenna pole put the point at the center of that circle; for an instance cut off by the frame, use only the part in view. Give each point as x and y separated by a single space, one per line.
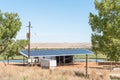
28 35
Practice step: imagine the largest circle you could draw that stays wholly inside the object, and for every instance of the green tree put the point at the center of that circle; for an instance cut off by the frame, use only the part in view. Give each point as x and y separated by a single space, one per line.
106 28
10 24
15 48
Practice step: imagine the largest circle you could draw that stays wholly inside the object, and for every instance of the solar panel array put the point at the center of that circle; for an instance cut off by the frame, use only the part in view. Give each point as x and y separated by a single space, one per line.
55 52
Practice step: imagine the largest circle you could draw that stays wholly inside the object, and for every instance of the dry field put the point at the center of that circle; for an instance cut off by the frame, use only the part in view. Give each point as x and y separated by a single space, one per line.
60 45
71 72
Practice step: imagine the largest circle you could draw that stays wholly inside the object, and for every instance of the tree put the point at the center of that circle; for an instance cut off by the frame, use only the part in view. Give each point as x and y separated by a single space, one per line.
106 28
15 48
10 24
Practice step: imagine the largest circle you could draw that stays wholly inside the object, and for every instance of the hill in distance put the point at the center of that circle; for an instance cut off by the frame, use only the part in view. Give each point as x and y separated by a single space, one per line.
59 45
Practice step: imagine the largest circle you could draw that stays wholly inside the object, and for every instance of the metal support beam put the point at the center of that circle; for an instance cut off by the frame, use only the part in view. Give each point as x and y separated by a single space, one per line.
72 59
59 61
64 59
96 58
23 60
86 65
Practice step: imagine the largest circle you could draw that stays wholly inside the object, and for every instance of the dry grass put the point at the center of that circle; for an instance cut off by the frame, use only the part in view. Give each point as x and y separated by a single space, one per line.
106 75
76 72
11 72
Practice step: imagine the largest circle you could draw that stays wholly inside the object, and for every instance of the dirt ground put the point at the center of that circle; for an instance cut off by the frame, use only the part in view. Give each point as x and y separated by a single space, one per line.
13 71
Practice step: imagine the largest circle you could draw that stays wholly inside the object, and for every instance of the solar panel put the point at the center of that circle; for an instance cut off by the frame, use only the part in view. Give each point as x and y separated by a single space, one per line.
55 52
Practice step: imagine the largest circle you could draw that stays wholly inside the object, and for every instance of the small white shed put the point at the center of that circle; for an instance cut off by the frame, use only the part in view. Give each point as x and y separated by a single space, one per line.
48 63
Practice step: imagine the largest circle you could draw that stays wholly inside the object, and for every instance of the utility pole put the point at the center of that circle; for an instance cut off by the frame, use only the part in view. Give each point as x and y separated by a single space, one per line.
28 36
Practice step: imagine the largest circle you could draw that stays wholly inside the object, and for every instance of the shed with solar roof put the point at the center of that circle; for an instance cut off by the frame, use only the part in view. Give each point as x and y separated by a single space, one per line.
62 56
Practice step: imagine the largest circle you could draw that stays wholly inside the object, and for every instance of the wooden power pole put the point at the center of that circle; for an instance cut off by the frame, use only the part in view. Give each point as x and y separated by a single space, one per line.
28 36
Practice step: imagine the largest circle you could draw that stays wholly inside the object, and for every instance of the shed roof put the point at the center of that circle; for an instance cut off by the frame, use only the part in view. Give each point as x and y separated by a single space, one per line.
55 52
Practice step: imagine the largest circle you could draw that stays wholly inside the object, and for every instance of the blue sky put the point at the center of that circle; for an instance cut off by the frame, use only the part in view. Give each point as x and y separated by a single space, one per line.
53 20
